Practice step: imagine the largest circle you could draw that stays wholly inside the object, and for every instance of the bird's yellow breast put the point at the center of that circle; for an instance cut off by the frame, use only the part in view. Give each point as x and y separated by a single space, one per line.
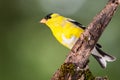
64 31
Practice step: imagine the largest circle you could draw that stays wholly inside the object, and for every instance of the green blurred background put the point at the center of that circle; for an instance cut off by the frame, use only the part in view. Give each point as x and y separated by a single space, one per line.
28 51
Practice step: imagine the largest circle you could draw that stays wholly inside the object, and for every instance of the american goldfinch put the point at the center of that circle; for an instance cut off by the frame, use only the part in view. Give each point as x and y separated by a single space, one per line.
67 31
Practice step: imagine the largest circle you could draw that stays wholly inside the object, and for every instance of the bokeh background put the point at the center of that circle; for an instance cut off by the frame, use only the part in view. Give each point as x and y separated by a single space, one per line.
28 51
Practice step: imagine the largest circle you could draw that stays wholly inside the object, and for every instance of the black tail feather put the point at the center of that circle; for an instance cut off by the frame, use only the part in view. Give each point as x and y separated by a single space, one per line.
102 57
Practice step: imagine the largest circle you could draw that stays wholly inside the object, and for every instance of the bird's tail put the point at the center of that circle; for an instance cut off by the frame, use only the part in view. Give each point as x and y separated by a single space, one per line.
102 57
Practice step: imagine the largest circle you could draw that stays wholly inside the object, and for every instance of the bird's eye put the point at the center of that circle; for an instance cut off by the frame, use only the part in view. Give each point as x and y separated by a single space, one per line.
48 16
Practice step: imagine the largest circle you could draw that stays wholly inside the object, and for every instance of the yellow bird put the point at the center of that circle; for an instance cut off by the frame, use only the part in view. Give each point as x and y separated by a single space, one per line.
67 31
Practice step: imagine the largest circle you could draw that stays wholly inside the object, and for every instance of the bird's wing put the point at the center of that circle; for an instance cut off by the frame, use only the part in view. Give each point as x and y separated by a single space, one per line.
76 23
83 27
98 45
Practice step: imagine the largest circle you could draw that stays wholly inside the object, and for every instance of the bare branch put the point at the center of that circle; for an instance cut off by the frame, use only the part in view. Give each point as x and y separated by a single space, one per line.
75 66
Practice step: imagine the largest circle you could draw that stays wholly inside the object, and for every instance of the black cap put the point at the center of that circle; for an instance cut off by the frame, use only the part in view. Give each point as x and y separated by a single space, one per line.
48 16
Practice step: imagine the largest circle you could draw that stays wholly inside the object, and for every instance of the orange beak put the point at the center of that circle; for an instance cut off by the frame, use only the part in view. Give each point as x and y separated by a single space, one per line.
43 21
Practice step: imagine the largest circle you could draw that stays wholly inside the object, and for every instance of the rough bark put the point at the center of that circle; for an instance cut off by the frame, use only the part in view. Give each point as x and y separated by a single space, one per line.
75 66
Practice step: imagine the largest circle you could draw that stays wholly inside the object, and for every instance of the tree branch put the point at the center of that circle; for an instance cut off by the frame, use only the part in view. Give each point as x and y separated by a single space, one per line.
75 66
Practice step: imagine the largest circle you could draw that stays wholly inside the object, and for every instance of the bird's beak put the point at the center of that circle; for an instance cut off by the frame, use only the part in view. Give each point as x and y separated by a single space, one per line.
43 20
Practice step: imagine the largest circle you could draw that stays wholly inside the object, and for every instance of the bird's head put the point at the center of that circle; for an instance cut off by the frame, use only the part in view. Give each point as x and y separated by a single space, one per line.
53 20
50 18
